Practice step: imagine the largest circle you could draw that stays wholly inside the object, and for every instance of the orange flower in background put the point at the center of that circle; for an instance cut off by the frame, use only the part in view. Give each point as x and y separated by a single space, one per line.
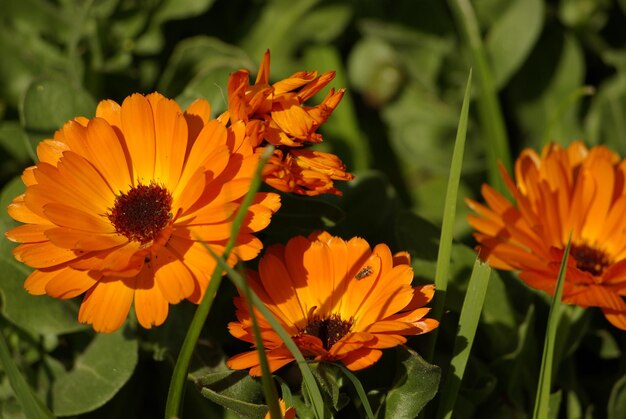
306 172
339 300
279 107
275 114
564 190
288 412
120 207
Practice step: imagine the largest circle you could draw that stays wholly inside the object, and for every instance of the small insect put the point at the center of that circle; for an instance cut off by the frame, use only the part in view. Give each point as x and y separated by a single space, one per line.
365 272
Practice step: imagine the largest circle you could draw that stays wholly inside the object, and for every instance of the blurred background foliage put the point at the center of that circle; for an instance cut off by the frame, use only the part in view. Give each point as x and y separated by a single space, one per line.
559 70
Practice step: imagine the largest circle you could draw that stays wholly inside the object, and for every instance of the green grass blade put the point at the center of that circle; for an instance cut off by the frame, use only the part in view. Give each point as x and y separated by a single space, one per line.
446 239
179 376
542 399
307 375
359 390
468 322
490 113
269 389
32 407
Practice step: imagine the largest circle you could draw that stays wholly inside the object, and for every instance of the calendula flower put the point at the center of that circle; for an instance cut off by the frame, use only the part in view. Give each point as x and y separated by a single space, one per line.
275 114
120 208
575 191
288 412
280 106
306 172
339 300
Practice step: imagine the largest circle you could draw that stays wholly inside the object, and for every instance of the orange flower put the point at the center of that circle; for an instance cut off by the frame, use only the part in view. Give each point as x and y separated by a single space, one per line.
288 412
275 114
339 300
305 172
279 107
120 208
564 190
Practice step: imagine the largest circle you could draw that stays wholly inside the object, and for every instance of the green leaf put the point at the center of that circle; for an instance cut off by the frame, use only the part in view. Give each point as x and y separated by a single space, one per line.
97 375
328 378
199 67
606 122
415 384
543 401
617 400
489 109
548 89
32 407
468 322
234 390
50 103
512 37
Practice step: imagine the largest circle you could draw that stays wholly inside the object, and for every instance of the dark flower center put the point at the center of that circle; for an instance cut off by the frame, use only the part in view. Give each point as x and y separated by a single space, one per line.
329 331
141 213
589 259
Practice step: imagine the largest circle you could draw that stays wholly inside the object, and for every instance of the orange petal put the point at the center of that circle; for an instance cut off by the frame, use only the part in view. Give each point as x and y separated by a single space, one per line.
80 240
44 254
171 141
107 155
29 233
74 218
150 305
106 305
36 282
361 358
138 128
69 283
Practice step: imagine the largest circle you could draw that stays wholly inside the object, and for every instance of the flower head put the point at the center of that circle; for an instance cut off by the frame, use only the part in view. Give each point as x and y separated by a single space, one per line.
275 114
339 300
280 106
120 207
306 172
573 190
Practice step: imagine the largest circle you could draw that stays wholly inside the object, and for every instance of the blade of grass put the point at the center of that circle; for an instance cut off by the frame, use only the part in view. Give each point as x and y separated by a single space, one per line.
307 375
468 322
32 407
490 113
269 389
179 376
542 399
446 239
359 390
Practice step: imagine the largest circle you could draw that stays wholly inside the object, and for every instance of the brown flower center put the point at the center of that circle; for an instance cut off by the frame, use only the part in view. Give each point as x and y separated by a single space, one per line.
590 259
329 331
141 213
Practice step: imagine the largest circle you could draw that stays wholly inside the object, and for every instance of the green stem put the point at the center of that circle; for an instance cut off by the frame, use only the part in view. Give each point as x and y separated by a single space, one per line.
179 376
32 407
269 389
542 399
492 121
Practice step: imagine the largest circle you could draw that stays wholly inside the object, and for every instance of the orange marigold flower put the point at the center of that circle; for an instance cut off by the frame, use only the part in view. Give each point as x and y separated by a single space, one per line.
279 107
275 114
574 190
305 172
339 300
288 412
120 207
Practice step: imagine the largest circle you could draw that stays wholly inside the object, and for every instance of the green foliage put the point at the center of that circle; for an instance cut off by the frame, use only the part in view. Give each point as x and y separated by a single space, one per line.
97 375
542 71
414 385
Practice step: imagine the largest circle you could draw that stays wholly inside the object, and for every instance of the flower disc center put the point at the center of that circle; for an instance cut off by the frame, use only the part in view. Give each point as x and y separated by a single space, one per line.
329 331
590 259
141 213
